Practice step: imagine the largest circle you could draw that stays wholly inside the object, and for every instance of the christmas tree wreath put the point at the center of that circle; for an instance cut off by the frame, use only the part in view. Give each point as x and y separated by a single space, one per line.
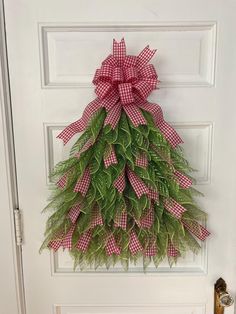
125 192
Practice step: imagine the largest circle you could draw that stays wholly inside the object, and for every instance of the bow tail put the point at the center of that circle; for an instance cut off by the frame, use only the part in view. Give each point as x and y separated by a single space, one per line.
169 133
81 124
135 115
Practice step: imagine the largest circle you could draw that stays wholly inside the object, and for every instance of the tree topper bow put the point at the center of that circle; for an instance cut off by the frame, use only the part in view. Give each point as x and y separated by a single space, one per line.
123 83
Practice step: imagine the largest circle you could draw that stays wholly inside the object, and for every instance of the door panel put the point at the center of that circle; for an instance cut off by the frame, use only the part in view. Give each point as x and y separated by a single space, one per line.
54 48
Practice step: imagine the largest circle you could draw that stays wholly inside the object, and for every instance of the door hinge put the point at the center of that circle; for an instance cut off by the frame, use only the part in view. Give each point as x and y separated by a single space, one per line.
18 227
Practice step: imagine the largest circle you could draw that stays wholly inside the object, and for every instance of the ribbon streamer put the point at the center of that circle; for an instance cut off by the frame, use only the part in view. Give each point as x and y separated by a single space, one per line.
183 180
83 183
151 249
121 220
111 246
111 158
141 160
134 244
171 250
147 219
96 218
119 183
139 187
61 183
67 240
74 213
195 228
174 208
84 241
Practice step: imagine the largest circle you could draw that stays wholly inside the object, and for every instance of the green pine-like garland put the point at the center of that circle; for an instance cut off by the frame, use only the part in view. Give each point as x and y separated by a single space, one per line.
128 141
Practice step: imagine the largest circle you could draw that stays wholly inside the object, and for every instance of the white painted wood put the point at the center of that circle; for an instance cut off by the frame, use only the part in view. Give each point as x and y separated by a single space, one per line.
44 40
11 287
129 309
64 55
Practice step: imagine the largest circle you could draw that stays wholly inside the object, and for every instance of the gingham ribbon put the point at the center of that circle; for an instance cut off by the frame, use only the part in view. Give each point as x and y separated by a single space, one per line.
183 180
134 244
141 160
147 218
55 244
169 133
67 240
84 241
171 250
151 249
124 82
83 183
110 158
174 207
96 219
74 213
63 240
61 183
119 183
121 220
195 228
153 194
138 185
111 246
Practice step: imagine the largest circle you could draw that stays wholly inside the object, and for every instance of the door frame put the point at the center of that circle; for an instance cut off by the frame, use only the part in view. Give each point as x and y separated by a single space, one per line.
8 183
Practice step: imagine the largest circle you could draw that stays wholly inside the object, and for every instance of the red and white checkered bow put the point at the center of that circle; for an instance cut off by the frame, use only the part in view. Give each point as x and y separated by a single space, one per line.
123 83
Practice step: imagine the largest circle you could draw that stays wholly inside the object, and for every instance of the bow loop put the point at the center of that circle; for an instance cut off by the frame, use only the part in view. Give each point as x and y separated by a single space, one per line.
117 75
105 74
131 75
103 89
149 72
143 89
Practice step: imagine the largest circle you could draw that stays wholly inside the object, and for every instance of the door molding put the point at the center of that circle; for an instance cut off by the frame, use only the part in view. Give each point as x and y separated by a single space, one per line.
9 179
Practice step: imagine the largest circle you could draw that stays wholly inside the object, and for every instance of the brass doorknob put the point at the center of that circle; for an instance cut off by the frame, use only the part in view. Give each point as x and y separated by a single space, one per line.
222 297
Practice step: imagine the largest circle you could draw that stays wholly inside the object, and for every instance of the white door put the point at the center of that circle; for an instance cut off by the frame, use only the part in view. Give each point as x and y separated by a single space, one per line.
54 48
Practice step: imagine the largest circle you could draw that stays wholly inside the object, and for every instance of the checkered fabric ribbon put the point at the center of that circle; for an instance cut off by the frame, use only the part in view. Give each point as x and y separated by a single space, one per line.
96 219
141 160
195 228
169 133
121 220
138 185
67 240
174 208
111 246
83 183
119 183
171 250
134 244
84 241
124 82
55 244
110 159
183 180
152 194
147 218
74 213
151 249
61 183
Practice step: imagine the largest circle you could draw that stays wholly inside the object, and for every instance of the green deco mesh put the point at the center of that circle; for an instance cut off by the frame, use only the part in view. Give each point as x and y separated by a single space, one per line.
128 142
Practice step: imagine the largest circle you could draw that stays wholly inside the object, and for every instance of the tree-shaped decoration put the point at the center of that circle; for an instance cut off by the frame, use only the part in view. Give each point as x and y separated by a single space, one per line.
125 192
